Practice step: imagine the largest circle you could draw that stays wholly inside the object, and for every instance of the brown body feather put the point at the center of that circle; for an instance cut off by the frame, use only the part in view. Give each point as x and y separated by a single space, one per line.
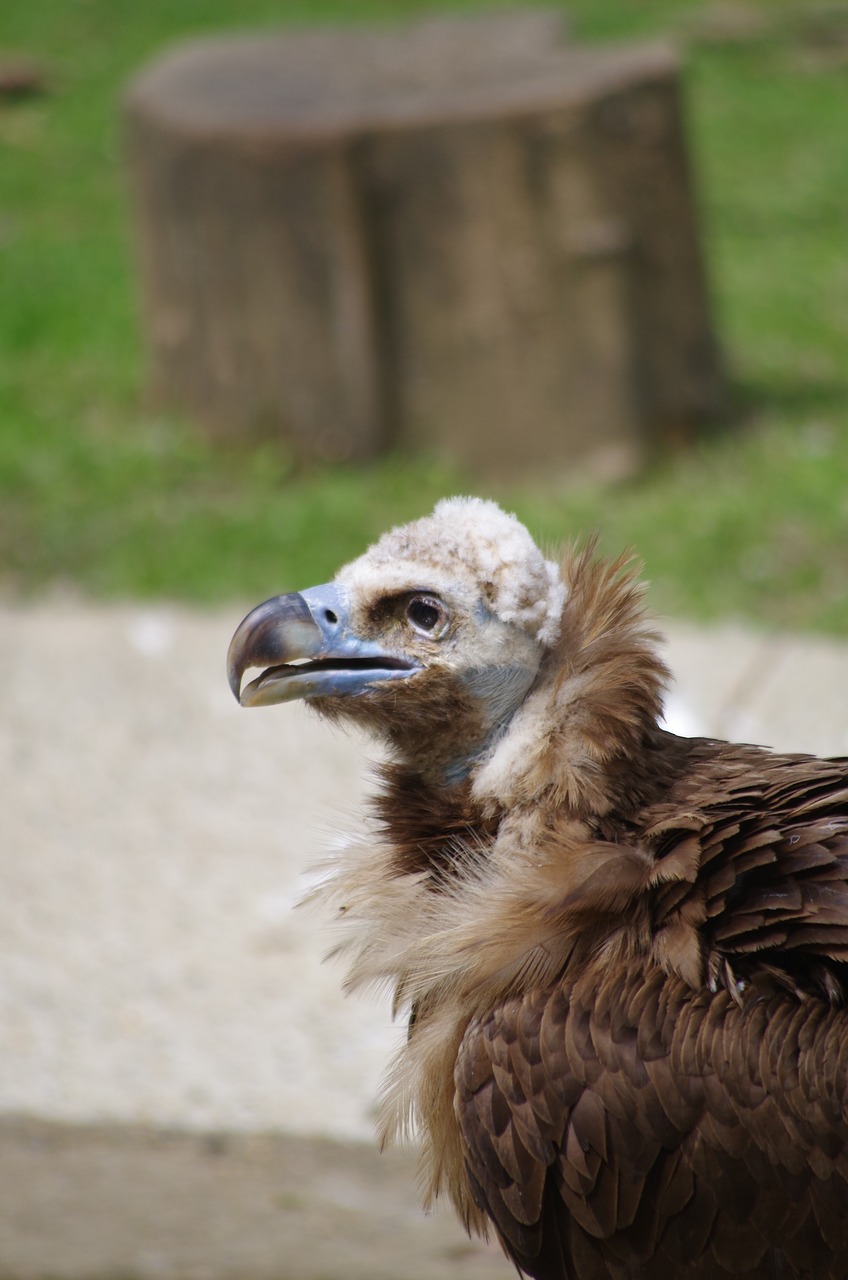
682 1110
624 956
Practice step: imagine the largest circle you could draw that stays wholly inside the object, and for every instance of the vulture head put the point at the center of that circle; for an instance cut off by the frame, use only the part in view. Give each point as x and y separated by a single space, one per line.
432 638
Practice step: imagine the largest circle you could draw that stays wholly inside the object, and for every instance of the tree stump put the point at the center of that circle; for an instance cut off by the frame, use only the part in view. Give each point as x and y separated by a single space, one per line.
466 236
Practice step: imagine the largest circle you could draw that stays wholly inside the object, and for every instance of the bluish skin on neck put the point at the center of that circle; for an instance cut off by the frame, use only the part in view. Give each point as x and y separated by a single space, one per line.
501 690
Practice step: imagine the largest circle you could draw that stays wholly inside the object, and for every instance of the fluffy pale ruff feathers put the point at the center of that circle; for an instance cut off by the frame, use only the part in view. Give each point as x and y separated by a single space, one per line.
507 911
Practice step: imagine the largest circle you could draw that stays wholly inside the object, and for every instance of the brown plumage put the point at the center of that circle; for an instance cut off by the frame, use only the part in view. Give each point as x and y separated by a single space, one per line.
622 953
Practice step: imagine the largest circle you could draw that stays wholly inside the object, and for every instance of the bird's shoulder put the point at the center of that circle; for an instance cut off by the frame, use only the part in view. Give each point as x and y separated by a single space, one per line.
673 1099
749 855
621 1115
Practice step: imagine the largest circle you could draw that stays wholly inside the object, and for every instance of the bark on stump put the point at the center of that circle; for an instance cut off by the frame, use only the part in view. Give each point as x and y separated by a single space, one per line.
467 236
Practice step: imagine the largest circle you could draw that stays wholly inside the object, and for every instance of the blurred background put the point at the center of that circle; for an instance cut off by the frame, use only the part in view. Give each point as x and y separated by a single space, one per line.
101 494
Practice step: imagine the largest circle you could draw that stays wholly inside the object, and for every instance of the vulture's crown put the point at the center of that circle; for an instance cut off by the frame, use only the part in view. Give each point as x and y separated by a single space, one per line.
622 955
473 552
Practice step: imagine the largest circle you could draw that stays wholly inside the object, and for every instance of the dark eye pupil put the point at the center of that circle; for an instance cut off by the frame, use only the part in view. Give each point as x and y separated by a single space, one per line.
424 614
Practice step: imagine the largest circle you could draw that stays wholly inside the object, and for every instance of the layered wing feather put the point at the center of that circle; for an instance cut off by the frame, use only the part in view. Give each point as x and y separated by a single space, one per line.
704 1148
633 1120
769 881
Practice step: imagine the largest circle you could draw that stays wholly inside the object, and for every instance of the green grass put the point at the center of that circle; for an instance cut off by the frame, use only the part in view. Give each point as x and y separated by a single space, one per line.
99 492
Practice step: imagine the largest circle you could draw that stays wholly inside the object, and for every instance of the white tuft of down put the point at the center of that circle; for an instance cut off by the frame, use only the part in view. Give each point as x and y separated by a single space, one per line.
469 543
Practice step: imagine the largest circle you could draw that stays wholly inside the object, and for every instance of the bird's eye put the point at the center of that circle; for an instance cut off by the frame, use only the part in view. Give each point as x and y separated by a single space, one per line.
427 615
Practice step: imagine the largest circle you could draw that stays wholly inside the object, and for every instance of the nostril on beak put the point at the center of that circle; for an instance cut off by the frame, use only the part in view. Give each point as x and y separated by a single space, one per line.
326 604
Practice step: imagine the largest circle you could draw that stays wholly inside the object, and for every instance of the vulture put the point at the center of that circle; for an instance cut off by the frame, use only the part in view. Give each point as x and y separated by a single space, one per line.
622 955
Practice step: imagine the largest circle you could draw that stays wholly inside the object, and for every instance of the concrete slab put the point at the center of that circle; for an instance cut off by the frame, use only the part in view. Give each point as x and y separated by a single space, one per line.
799 700
784 692
712 668
88 1203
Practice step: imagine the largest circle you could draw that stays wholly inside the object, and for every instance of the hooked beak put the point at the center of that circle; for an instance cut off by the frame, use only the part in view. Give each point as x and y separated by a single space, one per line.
305 644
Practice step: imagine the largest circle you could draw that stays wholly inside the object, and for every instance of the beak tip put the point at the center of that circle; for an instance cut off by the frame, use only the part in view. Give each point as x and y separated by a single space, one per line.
235 666
275 631
234 681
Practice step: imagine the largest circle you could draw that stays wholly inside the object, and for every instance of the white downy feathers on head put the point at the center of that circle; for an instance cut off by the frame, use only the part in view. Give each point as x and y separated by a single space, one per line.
468 545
